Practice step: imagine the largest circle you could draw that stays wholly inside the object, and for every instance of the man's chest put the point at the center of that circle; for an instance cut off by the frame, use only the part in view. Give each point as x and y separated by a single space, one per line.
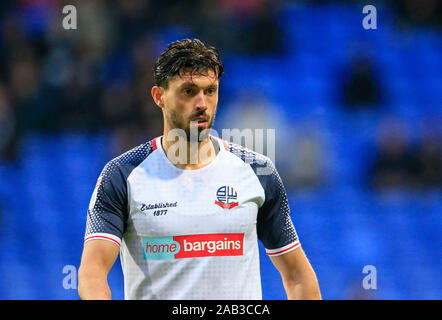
193 205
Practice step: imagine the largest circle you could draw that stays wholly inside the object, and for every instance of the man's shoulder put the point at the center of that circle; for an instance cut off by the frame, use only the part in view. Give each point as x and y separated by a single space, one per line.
135 155
244 153
130 159
260 163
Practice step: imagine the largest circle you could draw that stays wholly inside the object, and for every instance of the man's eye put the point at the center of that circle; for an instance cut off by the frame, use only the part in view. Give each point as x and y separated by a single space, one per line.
188 91
210 91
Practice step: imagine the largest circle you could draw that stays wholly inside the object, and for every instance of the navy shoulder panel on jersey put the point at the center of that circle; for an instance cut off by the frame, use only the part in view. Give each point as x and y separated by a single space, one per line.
108 209
274 226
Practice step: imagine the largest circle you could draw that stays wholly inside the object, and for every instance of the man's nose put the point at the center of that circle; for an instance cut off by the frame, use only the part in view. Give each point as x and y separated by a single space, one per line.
201 101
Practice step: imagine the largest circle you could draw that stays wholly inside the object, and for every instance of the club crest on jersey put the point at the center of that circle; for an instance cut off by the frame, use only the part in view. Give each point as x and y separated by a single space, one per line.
226 197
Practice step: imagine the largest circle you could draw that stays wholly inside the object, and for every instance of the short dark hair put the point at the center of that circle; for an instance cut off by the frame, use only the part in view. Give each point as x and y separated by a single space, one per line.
183 56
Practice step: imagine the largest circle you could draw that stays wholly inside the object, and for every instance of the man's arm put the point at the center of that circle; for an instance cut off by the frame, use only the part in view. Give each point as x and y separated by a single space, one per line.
98 258
297 275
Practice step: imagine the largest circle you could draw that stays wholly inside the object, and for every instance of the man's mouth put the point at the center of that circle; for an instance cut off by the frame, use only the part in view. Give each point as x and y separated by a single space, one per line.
200 121
200 124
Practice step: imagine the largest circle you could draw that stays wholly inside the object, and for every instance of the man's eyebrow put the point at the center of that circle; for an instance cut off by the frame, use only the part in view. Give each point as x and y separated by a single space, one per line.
192 84
188 84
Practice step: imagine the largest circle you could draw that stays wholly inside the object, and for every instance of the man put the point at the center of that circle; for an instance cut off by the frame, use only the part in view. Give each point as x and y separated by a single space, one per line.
187 226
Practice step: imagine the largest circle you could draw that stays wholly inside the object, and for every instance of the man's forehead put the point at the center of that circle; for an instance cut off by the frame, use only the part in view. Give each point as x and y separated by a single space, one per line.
195 77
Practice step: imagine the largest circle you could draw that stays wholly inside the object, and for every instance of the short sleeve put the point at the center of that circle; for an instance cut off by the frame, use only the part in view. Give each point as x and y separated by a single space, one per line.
107 210
274 225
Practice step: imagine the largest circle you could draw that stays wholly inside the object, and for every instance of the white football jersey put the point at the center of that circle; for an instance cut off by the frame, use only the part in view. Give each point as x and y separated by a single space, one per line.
191 234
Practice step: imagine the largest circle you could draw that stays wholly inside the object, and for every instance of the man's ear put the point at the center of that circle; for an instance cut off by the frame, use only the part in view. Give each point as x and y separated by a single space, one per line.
158 96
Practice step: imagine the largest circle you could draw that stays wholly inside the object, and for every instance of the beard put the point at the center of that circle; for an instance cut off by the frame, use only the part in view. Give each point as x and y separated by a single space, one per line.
176 121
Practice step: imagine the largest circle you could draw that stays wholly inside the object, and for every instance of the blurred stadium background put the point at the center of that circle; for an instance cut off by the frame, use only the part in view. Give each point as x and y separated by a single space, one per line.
357 115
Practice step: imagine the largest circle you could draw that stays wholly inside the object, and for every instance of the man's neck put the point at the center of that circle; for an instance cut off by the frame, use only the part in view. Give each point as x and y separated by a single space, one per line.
189 155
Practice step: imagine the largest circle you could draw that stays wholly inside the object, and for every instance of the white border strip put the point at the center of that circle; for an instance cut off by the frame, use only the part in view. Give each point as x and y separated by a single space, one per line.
223 144
283 250
103 236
